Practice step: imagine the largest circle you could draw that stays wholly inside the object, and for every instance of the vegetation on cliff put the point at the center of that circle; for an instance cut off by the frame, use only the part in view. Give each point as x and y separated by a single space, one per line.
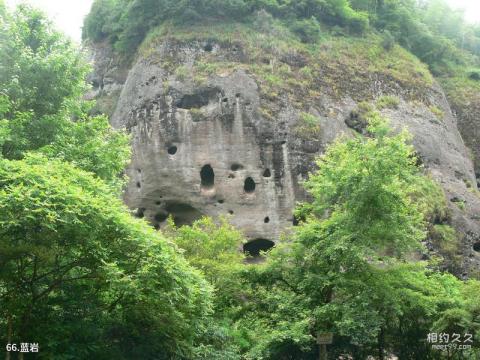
431 30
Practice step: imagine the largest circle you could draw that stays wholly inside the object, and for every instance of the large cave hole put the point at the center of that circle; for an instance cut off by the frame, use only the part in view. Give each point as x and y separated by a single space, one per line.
255 247
249 185
476 246
199 99
183 214
267 173
207 177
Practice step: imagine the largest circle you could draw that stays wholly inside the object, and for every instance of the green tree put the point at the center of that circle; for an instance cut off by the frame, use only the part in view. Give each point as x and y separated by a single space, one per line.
74 264
346 270
42 81
214 249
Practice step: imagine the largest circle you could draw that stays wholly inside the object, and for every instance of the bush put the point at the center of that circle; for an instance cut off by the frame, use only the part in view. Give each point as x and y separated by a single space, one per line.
308 29
388 40
357 22
387 101
474 75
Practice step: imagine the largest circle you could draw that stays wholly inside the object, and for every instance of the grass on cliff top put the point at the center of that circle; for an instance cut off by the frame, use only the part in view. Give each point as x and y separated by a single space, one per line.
462 90
338 64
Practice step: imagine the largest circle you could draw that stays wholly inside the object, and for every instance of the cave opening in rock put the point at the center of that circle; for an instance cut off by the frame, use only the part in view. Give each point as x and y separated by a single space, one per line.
183 214
476 246
255 247
199 99
172 150
266 220
161 217
236 167
140 213
267 173
139 185
207 177
249 185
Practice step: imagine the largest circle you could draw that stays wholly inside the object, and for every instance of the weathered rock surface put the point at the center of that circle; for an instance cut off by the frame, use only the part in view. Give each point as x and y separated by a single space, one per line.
206 148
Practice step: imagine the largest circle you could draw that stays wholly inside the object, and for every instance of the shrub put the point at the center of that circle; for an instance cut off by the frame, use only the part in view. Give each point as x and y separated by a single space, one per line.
388 40
387 101
308 29
474 75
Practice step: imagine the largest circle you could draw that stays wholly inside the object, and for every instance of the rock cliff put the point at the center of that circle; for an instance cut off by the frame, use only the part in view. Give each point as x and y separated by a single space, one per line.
215 133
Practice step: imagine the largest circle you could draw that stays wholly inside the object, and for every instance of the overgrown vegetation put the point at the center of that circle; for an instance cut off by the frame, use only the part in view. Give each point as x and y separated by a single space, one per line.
433 31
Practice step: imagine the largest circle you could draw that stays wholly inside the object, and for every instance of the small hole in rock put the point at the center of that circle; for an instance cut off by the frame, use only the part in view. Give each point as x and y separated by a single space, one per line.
267 173
476 247
158 203
172 150
266 220
221 201
139 185
249 185
139 170
237 95
225 100
208 48
231 176
230 212
207 177
236 167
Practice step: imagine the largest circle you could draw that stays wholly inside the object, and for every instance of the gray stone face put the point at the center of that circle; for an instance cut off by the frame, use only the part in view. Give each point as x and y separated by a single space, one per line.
253 166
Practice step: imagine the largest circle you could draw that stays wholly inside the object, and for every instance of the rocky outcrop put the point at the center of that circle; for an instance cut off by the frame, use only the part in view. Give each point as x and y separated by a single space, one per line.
207 147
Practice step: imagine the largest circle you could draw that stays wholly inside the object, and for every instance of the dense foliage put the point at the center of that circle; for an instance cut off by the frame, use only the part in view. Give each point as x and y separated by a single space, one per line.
76 265
78 274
